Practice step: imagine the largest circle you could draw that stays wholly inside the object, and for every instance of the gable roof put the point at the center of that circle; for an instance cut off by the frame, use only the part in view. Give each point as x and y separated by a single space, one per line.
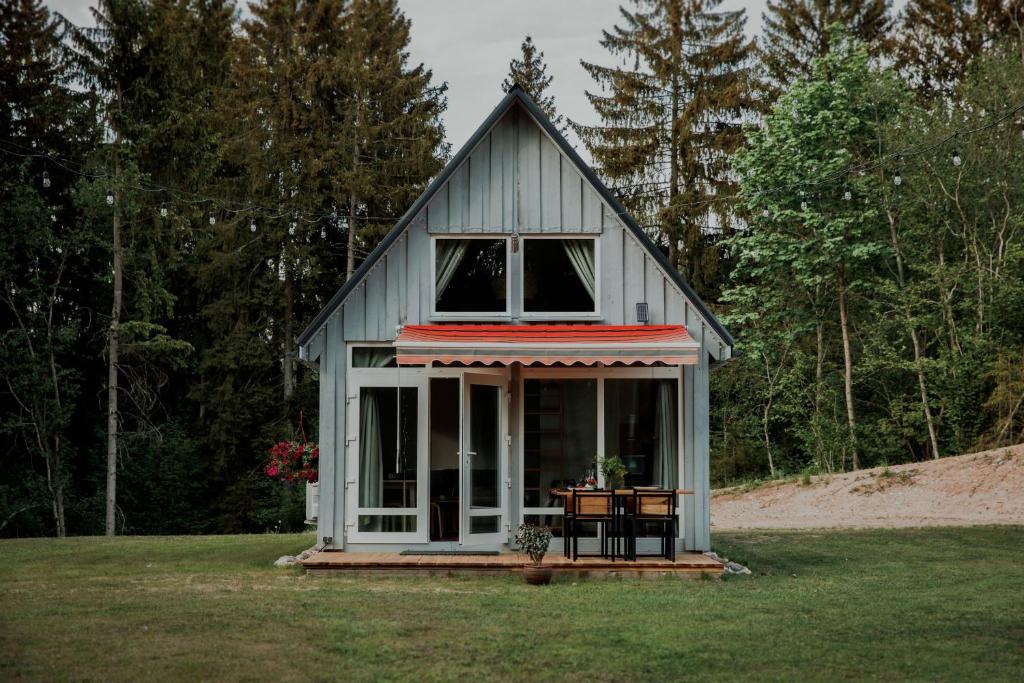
515 95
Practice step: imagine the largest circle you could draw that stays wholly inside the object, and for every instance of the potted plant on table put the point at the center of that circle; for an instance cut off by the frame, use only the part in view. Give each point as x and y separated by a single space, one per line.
533 540
614 471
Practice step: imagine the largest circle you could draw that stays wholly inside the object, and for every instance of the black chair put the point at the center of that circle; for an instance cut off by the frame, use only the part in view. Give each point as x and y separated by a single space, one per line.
595 507
651 508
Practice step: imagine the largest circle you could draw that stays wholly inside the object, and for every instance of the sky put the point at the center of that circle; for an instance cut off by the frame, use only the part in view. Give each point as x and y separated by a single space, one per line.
468 44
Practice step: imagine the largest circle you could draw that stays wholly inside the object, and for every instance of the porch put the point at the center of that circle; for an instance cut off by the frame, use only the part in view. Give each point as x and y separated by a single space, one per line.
687 564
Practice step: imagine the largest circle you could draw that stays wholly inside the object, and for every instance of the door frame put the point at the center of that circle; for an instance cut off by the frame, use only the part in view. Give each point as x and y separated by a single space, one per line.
497 378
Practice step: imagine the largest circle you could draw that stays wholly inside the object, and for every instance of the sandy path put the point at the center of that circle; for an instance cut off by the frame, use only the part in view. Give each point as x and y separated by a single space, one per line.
981 488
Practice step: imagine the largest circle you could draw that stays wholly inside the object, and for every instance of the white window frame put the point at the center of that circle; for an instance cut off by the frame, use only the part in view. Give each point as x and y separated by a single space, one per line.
557 315
471 315
600 374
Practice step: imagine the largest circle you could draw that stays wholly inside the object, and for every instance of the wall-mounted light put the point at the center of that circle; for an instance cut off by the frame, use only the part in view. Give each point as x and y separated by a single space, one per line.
643 315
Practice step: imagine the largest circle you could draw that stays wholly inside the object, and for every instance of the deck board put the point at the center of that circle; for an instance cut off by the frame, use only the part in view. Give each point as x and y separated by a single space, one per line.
686 563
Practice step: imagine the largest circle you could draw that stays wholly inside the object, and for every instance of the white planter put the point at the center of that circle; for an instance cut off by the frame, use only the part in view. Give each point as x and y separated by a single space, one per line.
312 501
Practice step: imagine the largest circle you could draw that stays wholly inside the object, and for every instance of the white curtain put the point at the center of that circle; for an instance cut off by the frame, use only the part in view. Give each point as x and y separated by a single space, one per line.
581 255
371 455
449 255
666 452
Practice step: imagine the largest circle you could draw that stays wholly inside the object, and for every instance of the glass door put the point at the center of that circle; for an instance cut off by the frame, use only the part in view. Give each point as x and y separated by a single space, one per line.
485 482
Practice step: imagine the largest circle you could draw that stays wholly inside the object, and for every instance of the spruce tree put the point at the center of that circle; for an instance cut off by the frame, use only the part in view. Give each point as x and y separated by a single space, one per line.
937 39
797 31
530 73
152 67
671 114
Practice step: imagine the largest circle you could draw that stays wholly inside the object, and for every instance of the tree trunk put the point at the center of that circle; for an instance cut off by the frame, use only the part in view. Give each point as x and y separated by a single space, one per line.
289 332
915 341
113 345
350 258
819 377
847 368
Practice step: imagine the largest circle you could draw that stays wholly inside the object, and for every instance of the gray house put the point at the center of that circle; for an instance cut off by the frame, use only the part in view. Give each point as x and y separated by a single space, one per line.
513 327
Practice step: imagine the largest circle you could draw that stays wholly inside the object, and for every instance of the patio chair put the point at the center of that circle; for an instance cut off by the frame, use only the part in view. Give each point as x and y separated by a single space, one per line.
654 508
591 507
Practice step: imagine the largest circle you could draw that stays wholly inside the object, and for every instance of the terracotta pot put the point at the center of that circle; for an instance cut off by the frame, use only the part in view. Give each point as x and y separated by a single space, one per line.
537 575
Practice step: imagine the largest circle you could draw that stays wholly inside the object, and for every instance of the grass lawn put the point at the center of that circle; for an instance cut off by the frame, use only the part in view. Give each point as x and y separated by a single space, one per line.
925 604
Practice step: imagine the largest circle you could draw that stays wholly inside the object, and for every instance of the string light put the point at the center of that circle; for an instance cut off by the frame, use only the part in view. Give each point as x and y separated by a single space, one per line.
212 219
847 195
252 224
765 212
110 197
163 210
956 153
46 179
323 233
803 201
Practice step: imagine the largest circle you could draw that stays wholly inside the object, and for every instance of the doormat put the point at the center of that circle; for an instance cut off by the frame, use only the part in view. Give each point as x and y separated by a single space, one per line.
449 552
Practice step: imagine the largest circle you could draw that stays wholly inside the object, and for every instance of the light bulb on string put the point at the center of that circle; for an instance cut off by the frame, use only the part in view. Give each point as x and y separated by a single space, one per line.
956 153
323 233
212 219
897 179
46 179
847 195
803 201
163 211
765 212
252 225
110 197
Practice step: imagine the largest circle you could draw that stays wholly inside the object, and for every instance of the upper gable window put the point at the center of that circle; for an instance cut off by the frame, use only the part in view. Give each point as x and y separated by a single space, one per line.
471 275
559 275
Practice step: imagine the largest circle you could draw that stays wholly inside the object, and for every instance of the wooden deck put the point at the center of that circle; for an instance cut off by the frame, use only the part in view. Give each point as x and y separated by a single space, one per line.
686 564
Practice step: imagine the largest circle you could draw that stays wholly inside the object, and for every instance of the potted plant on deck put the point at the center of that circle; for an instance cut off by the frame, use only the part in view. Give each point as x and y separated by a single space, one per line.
534 540
614 471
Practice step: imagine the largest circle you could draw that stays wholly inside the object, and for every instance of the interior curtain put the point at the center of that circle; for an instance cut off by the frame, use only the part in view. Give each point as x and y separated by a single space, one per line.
449 255
371 455
666 453
581 255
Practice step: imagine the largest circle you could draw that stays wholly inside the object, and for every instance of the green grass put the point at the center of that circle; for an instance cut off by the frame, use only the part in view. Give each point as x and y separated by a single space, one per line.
924 604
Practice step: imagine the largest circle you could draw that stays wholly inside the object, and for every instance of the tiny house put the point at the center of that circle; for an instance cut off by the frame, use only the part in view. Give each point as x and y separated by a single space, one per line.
513 328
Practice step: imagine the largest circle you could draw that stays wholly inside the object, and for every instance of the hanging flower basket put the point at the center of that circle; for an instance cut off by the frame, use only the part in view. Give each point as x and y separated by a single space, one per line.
292 461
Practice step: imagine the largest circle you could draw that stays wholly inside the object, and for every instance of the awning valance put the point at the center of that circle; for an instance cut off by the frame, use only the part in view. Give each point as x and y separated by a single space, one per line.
545 344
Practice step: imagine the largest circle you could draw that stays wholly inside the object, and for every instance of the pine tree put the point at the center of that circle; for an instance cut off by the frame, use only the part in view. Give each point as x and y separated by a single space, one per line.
937 39
332 135
797 31
530 73
153 81
671 114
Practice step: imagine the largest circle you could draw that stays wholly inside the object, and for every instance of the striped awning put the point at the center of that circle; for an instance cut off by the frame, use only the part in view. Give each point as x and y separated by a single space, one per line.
545 344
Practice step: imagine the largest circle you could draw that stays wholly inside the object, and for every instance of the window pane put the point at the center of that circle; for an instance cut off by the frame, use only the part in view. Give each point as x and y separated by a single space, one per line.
388 523
485 445
484 525
559 436
641 427
558 275
469 276
387 447
373 357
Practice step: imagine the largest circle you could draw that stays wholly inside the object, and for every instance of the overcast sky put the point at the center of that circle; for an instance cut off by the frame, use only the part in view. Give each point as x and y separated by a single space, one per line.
468 43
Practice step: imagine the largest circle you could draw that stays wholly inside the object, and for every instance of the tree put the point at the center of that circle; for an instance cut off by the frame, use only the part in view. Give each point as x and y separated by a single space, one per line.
44 262
671 115
152 79
818 246
530 73
937 39
795 32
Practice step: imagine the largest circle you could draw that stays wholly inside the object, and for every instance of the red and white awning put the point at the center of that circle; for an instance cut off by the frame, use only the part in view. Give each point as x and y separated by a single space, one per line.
545 344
